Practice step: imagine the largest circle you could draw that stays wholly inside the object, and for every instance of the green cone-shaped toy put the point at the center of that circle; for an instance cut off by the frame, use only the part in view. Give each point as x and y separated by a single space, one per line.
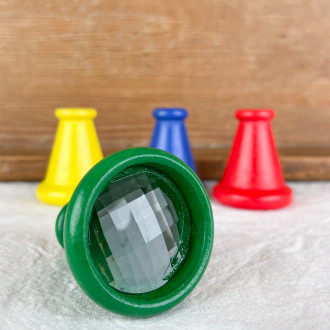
137 232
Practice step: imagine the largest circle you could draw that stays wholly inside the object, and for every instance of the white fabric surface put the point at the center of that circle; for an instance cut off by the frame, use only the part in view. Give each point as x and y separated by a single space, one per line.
268 270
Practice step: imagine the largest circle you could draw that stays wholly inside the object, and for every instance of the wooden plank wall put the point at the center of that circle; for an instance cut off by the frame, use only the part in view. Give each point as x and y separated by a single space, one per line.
127 57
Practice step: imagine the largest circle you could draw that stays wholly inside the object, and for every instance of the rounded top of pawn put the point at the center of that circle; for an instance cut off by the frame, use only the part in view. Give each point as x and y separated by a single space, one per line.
255 114
170 113
75 113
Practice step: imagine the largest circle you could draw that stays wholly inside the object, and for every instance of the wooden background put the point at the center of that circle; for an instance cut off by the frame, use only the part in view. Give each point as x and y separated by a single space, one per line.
127 57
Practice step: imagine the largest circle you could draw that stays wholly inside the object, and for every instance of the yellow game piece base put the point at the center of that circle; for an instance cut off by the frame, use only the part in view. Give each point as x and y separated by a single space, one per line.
53 194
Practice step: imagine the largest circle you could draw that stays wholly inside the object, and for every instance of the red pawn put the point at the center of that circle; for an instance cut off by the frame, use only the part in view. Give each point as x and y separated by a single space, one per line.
253 177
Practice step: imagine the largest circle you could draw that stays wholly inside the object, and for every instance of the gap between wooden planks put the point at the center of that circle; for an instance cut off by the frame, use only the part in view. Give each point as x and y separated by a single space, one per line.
298 164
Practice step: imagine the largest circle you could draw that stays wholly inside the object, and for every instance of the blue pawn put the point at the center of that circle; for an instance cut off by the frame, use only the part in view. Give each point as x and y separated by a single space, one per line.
170 134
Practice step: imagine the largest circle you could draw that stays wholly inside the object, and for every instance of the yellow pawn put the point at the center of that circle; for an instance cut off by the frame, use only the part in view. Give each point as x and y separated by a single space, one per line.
76 149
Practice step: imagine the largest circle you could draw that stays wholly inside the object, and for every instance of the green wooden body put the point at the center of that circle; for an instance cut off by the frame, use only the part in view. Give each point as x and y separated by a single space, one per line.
73 224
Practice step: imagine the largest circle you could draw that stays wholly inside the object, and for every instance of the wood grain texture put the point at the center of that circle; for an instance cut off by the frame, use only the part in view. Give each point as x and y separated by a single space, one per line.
300 164
127 57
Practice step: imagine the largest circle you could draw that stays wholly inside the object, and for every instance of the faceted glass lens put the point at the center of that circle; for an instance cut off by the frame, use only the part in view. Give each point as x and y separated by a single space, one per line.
139 231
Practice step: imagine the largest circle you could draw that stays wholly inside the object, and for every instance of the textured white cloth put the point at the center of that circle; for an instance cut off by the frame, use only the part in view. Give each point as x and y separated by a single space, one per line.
268 270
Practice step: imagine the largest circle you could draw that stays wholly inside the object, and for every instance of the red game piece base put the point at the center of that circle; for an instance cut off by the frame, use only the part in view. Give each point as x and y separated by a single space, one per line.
254 200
